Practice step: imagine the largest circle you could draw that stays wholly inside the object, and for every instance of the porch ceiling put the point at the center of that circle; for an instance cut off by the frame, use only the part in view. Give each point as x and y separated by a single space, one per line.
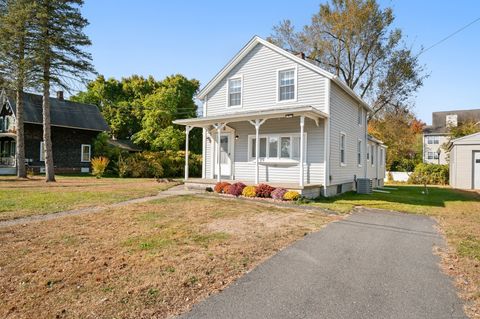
307 111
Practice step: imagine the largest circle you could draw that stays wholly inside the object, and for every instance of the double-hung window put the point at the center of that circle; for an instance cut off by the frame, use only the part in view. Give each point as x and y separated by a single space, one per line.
360 116
359 153
382 156
86 152
235 92
276 147
433 140
286 85
343 141
432 155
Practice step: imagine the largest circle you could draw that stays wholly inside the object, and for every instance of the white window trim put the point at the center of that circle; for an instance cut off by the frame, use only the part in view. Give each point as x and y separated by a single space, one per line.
42 154
277 159
89 153
344 163
295 68
361 155
236 77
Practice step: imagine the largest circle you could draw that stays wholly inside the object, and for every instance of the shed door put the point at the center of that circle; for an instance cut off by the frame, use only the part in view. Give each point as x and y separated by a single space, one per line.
476 170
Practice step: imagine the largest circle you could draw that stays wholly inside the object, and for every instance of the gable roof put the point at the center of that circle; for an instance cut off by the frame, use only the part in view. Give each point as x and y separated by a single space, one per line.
63 113
257 40
439 120
475 138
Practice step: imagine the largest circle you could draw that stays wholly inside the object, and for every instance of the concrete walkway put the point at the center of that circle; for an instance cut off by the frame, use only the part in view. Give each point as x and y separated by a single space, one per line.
174 191
373 264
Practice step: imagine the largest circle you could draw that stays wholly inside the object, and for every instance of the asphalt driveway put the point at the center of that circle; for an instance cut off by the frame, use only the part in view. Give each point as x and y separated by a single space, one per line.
373 264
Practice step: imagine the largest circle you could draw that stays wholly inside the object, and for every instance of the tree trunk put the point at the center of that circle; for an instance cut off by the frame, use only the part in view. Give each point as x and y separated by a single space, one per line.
20 144
47 139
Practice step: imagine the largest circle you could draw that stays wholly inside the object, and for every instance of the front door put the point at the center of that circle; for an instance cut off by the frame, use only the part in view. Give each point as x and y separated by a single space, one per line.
225 155
476 170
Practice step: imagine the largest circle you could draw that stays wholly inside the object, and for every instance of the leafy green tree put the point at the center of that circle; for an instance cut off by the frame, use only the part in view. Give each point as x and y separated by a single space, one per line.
142 109
120 101
355 40
172 100
464 128
59 51
16 62
402 133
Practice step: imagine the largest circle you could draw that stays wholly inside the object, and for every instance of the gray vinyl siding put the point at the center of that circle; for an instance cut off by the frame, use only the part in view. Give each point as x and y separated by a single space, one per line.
259 70
244 170
344 118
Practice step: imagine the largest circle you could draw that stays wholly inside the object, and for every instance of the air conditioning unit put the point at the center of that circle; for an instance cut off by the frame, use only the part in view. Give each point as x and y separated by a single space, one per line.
364 186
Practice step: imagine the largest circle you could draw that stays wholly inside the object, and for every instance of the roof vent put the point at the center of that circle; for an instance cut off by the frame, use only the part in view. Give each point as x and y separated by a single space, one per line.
60 95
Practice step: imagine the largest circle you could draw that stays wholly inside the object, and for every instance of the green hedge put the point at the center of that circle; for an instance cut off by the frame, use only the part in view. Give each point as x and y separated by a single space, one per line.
432 174
159 164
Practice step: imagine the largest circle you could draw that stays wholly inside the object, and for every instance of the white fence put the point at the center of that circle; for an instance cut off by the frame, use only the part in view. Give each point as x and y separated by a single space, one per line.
398 176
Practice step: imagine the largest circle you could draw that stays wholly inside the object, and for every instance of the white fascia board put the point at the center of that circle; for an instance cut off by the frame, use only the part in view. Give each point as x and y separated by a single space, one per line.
256 40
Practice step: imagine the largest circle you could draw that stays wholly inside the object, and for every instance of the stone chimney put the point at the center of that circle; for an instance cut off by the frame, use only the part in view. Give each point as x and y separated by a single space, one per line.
301 55
60 95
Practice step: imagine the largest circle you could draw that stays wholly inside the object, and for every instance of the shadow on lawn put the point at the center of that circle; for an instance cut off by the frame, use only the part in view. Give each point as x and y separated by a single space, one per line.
405 195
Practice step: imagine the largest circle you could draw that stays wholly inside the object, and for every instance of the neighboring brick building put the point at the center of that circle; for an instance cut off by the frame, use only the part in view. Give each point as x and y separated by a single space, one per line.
74 126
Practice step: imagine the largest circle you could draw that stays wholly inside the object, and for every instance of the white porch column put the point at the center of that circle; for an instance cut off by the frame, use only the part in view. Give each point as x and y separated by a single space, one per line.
219 127
257 125
302 124
188 128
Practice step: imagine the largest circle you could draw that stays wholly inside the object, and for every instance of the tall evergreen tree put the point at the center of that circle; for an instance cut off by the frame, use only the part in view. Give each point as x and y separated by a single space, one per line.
59 49
16 62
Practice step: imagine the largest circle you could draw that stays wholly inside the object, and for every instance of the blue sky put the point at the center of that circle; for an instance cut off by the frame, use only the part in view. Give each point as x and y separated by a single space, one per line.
197 38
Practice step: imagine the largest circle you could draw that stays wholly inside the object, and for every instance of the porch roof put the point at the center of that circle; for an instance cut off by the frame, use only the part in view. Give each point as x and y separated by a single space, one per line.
307 111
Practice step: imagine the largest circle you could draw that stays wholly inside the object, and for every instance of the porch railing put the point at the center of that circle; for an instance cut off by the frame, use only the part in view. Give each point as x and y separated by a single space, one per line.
8 161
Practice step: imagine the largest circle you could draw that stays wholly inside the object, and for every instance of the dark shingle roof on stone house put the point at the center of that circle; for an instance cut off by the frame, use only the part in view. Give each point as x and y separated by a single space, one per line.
63 113
439 120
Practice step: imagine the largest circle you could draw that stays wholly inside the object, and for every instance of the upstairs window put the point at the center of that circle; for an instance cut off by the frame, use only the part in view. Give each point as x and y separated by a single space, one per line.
433 140
286 85
235 92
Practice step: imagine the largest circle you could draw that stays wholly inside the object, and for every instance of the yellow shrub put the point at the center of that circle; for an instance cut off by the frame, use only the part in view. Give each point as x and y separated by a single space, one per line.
99 165
249 191
291 195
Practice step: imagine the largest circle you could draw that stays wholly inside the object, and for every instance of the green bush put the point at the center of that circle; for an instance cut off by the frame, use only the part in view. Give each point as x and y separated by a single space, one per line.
158 164
431 174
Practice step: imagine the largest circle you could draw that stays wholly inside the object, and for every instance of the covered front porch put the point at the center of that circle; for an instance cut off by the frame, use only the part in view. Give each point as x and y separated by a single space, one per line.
290 151
7 154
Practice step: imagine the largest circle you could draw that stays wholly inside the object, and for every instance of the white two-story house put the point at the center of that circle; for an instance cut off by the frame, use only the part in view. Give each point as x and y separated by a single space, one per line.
436 136
270 116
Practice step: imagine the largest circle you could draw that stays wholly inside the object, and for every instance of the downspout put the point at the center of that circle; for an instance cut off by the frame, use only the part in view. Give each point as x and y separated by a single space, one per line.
326 169
366 146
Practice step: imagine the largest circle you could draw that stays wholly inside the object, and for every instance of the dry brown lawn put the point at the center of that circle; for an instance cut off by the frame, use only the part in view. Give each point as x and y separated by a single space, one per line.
148 260
21 198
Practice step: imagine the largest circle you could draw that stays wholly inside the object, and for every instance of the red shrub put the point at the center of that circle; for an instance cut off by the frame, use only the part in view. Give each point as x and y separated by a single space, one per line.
220 186
236 189
264 190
